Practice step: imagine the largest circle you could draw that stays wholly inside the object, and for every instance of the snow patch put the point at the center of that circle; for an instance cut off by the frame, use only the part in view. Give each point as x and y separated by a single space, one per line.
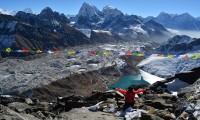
86 32
149 77
103 31
138 29
6 12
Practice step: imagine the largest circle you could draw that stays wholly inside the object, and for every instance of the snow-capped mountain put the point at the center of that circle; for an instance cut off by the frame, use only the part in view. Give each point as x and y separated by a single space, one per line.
47 30
182 22
113 20
111 12
6 12
89 11
179 45
87 16
28 10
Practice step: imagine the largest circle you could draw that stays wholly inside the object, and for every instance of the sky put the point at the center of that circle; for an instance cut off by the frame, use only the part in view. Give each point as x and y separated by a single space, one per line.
142 8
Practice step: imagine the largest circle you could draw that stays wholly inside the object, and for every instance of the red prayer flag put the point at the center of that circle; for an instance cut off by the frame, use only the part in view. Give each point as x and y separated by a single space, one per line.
92 52
24 50
128 53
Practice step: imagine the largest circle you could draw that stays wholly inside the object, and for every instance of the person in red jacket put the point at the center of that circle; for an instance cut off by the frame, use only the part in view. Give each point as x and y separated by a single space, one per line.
129 96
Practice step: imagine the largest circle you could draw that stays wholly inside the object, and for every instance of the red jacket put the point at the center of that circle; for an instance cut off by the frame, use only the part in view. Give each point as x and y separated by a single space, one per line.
129 96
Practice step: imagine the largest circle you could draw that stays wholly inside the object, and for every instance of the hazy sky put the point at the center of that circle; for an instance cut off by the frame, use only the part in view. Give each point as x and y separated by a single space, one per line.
138 7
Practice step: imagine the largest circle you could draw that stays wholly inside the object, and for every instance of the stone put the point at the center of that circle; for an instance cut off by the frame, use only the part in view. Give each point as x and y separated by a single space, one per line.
158 104
19 106
8 114
165 115
150 117
9 99
84 114
165 96
28 101
39 115
44 105
36 101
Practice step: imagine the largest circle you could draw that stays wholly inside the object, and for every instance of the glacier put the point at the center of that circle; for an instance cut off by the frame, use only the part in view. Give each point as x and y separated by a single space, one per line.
166 67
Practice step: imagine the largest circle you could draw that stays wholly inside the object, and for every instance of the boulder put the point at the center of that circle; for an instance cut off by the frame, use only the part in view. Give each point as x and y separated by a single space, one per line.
4 100
146 116
19 106
24 108
28 101
165 96
158 104
44 105
84 114
8 114
165 114
39 115
36 101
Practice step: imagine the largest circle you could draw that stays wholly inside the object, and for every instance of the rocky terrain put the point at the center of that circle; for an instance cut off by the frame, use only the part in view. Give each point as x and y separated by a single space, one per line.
154 104
18 75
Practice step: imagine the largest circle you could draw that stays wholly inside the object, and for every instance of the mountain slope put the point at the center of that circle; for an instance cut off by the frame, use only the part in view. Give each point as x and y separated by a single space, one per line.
182 22
47 30
113 20
179 45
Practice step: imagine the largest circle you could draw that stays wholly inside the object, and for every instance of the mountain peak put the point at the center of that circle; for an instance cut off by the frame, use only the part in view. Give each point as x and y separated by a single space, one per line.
6 12
108 7
89 11
110 11
167 14
163 13
186 15
28 10
87 4
46 10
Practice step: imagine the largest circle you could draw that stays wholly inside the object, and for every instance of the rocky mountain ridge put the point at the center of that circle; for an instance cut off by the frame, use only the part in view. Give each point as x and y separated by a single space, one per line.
180 44
47 30
176 21
113 20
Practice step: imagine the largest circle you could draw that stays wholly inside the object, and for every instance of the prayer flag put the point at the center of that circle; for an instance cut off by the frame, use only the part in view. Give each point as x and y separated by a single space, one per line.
8 50
128 53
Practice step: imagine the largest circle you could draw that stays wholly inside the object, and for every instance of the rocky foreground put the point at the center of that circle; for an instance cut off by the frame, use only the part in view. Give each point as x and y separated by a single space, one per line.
83 95
154 104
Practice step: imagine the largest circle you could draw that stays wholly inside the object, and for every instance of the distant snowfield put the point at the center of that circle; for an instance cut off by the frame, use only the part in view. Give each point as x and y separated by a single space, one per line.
193 34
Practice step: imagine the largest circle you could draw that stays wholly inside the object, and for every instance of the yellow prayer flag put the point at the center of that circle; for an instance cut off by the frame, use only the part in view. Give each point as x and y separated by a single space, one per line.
39 51
140 55
196 56
106 53
71 52
8 50
170 56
